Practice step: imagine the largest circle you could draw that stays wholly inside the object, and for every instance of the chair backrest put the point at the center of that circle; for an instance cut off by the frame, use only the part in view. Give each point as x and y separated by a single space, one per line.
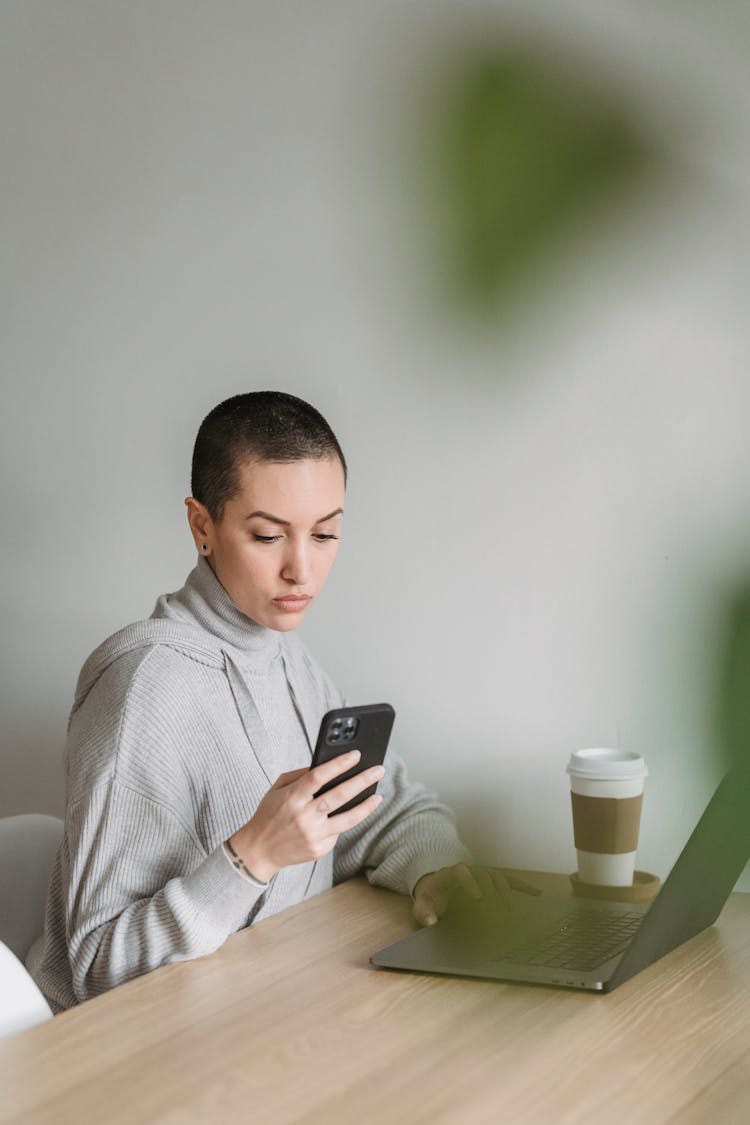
28 846
22 1005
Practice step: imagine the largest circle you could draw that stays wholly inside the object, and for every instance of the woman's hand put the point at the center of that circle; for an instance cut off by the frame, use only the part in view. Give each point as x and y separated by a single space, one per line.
435 891
291 826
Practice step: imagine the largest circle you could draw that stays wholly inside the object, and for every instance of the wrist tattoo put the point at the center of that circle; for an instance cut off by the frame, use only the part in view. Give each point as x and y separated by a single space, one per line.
240 864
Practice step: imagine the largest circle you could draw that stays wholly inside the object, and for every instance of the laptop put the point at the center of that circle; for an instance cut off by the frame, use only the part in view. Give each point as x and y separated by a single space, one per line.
590 943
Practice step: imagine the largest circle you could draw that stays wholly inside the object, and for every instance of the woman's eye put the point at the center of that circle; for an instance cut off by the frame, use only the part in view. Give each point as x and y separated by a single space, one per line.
275 538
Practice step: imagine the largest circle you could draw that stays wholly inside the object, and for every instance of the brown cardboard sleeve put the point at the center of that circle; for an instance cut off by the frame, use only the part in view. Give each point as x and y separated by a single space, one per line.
606 825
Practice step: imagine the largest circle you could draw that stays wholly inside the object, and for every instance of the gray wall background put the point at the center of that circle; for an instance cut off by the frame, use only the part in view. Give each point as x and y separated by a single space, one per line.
543 519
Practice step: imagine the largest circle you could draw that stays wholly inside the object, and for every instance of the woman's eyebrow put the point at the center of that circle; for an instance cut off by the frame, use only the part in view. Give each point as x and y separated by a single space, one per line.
285 523
268 516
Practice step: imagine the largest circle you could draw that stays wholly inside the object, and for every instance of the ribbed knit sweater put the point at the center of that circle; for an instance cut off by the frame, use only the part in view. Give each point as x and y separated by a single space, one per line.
179 726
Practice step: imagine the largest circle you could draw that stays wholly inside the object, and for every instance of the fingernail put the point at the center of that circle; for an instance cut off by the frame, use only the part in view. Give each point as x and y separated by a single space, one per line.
354 754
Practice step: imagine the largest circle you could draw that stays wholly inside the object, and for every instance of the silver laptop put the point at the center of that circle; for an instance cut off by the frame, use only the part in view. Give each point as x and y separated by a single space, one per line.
586 943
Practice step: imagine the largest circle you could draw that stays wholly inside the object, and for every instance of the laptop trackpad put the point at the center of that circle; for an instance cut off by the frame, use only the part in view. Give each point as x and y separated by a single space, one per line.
487 929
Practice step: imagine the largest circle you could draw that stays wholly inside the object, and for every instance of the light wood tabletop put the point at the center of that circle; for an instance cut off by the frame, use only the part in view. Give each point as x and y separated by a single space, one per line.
288 1022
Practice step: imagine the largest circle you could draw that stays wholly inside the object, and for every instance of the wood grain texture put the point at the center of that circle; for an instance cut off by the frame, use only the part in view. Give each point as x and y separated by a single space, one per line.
288 1022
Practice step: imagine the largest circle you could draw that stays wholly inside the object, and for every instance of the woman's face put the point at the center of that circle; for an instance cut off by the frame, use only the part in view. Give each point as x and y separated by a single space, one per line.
277 538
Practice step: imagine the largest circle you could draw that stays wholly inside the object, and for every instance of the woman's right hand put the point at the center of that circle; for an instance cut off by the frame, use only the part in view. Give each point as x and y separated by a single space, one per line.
291 826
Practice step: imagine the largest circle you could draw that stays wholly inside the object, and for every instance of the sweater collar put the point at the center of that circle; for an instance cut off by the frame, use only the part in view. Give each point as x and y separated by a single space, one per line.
204 601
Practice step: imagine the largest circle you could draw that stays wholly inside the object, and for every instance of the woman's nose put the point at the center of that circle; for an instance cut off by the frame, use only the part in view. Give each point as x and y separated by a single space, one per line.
296 567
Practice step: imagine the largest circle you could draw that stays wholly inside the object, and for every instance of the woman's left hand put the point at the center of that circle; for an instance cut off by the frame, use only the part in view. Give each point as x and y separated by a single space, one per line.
434 891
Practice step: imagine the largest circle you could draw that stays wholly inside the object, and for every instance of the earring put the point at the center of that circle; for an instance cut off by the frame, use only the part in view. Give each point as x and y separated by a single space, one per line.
204 548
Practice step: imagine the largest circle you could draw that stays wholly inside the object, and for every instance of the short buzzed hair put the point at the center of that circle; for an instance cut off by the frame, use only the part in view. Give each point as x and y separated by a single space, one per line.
257 426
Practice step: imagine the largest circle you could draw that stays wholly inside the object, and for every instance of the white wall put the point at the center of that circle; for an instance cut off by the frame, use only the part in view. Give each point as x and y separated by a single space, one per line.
543 519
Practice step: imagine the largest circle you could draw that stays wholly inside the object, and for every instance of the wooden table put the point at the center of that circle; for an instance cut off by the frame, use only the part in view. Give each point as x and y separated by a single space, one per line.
288 1022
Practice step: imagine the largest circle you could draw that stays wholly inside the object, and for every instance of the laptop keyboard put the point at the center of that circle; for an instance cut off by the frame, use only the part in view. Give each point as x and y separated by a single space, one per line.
584 940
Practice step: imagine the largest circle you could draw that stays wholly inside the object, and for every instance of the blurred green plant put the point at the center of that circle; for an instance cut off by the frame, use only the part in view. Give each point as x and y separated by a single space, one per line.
733 682
524 152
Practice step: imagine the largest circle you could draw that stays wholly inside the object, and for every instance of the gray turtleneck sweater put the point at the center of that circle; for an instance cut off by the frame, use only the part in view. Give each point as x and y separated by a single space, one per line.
179 726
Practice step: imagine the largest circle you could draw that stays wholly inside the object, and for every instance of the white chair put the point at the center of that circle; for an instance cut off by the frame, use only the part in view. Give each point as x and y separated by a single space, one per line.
28 846
22 1005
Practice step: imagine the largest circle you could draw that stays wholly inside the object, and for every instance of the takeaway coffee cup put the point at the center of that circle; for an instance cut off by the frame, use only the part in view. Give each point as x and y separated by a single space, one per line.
606 790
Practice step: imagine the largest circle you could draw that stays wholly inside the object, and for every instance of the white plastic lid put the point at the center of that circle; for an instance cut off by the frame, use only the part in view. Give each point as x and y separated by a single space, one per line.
600 764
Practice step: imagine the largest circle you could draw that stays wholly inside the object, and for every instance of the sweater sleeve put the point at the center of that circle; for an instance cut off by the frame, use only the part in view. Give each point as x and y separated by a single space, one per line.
410 834
139 886
140 892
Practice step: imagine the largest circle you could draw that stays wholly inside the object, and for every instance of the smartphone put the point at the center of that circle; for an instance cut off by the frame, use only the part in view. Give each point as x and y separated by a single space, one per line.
366 729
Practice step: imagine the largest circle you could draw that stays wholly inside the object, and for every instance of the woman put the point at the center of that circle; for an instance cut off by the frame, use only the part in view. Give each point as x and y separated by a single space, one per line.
189 797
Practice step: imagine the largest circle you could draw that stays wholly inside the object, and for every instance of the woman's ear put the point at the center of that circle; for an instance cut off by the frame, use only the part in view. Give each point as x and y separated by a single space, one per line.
201 525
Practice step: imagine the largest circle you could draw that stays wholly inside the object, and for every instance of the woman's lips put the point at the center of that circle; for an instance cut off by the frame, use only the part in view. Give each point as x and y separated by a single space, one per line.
291 605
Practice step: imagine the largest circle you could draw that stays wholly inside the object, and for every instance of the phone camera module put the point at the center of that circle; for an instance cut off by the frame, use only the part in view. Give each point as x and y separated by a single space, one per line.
342 730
